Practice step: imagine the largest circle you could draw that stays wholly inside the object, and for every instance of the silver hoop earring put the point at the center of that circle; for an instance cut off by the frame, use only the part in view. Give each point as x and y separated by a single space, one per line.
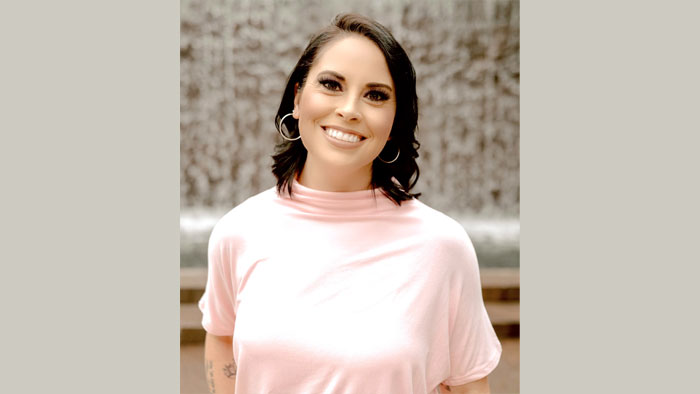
279 129
389 162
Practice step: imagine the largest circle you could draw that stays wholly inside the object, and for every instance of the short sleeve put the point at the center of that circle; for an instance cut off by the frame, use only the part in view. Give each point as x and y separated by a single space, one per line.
473 345
217 303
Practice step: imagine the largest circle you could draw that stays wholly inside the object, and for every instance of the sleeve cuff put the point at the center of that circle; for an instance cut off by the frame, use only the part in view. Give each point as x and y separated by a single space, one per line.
481 372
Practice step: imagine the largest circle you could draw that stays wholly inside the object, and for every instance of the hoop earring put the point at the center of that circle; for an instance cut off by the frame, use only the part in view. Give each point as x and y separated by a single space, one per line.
279 129
389 162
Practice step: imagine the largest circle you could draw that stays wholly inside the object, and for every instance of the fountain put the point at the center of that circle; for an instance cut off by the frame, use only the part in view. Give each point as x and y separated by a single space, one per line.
235 58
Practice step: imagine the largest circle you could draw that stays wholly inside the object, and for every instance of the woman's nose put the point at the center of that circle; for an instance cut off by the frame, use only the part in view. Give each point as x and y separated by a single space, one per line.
348 110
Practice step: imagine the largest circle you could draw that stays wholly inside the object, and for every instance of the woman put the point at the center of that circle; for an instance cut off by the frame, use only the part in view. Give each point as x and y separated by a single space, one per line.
339 280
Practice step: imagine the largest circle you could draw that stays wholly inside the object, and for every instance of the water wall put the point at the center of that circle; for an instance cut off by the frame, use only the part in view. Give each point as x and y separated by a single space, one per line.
236 56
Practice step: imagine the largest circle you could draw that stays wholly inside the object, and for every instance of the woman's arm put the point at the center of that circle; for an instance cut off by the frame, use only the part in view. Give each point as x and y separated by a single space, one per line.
219 365
480 386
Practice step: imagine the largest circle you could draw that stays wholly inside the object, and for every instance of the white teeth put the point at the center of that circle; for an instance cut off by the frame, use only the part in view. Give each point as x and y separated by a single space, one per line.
339 135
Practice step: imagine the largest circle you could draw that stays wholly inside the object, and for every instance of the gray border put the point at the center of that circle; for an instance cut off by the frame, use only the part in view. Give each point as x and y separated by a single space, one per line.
609 210
90 198
90 202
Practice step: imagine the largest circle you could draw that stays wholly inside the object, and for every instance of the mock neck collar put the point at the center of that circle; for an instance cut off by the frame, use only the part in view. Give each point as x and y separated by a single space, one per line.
322 202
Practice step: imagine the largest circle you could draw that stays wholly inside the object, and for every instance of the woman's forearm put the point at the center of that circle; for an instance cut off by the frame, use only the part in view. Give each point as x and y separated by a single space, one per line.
219 366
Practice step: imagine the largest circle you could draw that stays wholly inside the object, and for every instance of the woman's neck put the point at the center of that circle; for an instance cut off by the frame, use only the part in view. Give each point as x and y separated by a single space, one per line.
335 180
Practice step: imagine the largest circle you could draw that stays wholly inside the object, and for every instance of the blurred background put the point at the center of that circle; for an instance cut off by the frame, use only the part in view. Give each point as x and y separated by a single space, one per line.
235 57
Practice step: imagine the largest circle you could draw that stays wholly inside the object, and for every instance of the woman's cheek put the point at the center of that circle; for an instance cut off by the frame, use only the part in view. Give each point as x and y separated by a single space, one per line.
316 105
383 123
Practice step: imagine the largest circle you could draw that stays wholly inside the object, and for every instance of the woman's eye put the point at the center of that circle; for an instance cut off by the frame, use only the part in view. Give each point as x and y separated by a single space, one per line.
376 95
330 84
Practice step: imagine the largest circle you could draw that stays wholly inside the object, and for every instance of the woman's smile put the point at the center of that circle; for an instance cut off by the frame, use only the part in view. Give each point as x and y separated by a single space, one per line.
349 137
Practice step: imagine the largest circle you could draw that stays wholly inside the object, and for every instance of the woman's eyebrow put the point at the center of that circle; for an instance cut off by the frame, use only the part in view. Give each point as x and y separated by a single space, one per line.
369 85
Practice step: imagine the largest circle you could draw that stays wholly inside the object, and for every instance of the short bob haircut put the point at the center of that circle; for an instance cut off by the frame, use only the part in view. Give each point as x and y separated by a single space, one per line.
290 156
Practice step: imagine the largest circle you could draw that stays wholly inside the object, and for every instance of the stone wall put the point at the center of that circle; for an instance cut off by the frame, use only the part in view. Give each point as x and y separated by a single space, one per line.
236 56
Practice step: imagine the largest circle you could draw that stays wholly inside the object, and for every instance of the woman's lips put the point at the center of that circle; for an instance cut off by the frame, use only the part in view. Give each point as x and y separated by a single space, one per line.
343 130
334 137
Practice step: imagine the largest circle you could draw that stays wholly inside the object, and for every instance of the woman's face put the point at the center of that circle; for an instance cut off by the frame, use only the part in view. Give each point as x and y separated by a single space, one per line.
346 107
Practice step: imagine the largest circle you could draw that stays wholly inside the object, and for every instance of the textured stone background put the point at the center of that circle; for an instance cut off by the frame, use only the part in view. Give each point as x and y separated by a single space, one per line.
236 55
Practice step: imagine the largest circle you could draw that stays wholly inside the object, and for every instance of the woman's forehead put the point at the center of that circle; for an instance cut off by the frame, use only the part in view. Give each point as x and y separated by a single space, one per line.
356 56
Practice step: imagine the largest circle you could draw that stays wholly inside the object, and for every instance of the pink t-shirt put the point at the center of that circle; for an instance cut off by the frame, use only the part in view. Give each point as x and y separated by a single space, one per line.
346 293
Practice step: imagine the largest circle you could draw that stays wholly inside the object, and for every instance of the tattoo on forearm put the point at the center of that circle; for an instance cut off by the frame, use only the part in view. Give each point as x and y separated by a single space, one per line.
230 370
210 376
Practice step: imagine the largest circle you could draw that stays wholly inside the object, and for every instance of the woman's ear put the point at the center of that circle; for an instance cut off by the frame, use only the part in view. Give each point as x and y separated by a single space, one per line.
297 97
